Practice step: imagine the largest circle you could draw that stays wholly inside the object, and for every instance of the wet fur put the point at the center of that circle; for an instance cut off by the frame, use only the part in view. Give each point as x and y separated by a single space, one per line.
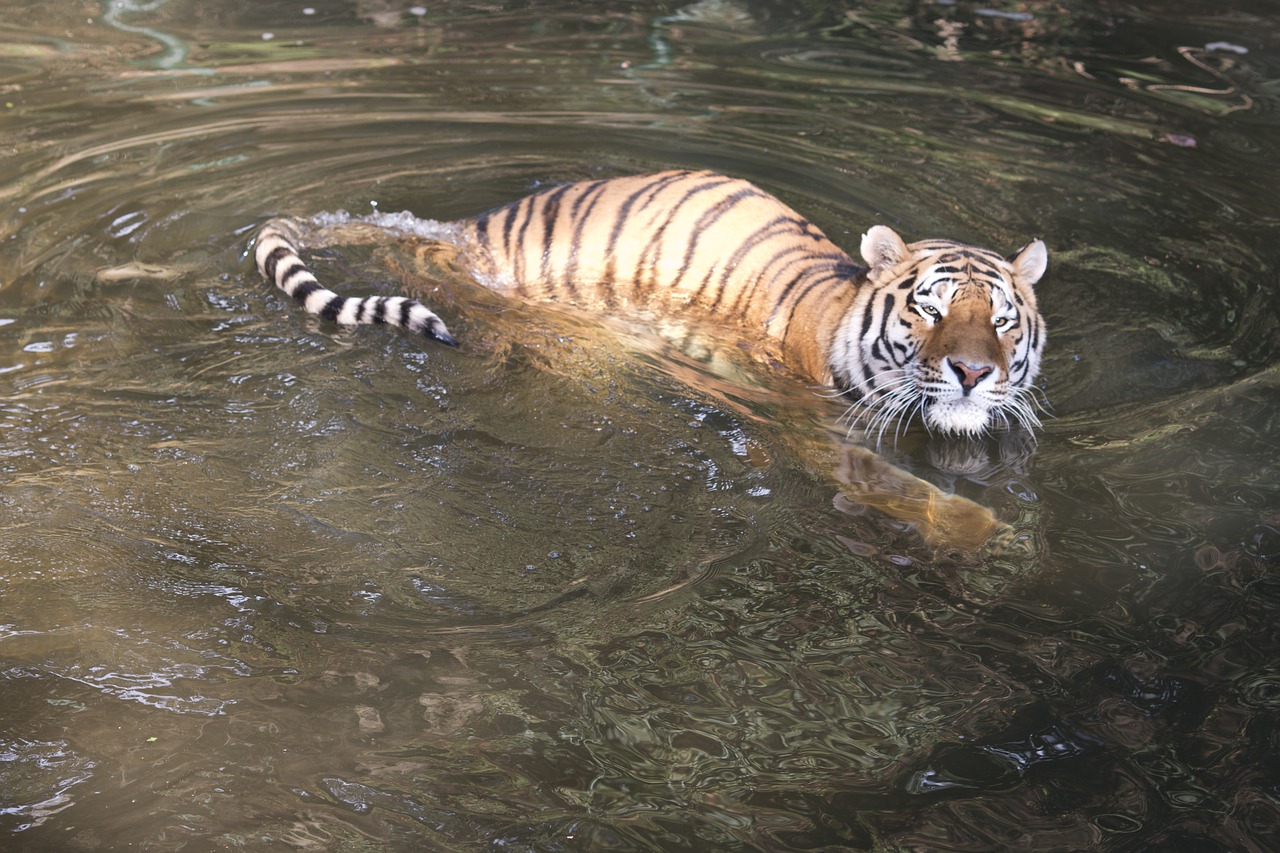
887 333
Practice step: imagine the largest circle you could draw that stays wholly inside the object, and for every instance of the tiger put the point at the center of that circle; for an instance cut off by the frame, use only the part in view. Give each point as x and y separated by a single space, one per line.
939 330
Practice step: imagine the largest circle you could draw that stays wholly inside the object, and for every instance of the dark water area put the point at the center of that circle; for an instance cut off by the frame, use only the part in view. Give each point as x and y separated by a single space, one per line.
268 584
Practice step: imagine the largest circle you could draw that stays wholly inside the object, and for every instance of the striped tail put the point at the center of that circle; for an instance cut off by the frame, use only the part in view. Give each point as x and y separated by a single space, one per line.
278 261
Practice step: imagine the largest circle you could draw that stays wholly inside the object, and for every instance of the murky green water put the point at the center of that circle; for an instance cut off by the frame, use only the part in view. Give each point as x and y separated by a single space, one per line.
265 584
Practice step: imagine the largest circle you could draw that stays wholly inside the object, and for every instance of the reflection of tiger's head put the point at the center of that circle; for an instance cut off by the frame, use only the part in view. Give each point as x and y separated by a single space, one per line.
944 330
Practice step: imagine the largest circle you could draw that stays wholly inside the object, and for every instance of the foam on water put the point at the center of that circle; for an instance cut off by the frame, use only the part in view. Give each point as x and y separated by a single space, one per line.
402 224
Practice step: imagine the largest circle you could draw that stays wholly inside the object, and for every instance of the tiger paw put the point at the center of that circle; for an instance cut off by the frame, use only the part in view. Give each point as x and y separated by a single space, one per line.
955 523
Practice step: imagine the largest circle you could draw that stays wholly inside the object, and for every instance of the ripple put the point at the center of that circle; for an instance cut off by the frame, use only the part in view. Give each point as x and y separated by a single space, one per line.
564 587
38 779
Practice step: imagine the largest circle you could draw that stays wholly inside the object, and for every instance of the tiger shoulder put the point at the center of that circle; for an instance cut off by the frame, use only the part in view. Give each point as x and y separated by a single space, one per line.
936 329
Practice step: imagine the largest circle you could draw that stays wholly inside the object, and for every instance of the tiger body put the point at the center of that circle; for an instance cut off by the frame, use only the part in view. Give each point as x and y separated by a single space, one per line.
676 243
936 328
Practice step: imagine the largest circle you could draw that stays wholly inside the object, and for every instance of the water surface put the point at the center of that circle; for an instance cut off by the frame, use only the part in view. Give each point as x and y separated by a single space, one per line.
268 584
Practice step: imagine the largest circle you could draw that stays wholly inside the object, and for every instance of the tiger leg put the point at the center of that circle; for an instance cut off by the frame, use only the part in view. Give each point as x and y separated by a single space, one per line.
946 521
276 253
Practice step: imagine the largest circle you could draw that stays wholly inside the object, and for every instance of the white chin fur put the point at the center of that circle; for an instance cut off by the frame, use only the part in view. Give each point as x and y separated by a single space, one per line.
963 416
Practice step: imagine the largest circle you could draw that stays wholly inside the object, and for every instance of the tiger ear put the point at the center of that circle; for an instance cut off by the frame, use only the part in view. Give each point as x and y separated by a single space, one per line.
1030 262
882 247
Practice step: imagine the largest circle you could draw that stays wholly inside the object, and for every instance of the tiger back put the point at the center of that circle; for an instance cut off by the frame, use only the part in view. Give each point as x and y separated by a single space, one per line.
692 243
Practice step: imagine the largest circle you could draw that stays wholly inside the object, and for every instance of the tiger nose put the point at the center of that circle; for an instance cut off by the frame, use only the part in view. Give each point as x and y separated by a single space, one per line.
970 375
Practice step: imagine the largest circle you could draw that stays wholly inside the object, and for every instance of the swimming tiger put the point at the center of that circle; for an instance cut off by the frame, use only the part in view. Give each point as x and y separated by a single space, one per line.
937 329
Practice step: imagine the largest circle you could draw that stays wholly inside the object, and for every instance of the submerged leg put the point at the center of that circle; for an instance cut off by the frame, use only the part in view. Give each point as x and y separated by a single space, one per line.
943 520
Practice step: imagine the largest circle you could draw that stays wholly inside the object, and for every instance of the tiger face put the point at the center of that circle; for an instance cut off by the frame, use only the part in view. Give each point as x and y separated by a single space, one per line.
943 330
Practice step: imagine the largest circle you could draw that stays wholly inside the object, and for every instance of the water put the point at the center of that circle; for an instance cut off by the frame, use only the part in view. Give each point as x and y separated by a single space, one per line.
271 585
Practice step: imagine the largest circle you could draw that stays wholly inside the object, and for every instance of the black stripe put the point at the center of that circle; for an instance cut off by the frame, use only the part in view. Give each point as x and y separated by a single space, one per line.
709 218
276 255
585 191
306 289
869 371
482 230
653 248
509 220
380 310
659 186
521 253
759 236
404 313
1022 366
804 294
866 320
889 302
623 216
581 217
550 213
766 277
290 275
332 308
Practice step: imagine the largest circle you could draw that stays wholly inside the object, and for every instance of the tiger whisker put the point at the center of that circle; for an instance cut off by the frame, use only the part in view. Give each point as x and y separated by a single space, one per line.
1022 405
897 379
1038 397
896 408
868 411
901 416
883 396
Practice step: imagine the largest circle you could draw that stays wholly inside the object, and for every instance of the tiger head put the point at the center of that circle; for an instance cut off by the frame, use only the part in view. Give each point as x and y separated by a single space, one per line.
943 329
